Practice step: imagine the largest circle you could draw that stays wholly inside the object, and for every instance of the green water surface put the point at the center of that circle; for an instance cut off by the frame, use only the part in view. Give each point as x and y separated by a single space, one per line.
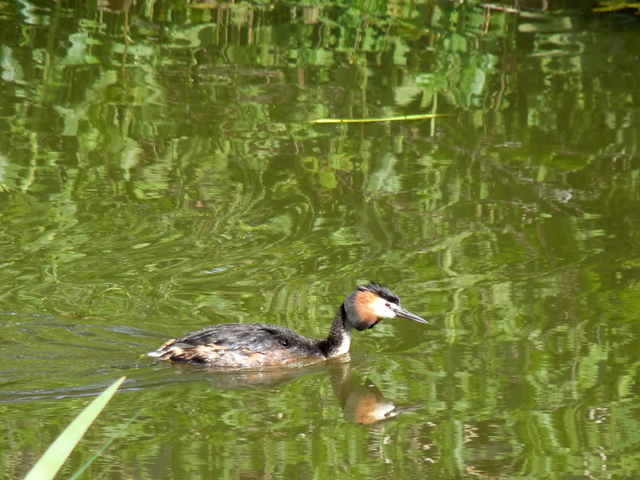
158 174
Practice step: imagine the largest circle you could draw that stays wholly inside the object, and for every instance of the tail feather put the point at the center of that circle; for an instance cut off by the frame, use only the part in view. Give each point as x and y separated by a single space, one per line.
162 350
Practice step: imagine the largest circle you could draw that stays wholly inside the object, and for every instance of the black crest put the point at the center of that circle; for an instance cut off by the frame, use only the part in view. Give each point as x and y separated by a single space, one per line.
381 291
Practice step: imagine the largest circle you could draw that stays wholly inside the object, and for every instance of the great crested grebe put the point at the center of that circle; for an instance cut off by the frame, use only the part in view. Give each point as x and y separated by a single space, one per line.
251 345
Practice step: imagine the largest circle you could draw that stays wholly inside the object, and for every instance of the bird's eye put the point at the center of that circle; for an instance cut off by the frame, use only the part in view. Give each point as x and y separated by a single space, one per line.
388 305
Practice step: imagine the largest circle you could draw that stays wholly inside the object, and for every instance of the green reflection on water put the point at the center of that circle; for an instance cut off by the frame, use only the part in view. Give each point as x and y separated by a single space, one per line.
157 175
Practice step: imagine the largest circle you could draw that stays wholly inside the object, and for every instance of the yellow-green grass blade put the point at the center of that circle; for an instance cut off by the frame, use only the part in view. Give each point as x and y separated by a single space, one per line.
81 470
384 119
51 461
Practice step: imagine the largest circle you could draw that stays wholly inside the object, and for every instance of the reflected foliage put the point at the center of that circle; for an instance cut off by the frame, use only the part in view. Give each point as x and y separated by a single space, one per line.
157 174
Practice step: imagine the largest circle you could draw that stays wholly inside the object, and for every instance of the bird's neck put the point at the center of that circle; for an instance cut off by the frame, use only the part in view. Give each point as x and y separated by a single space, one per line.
339 339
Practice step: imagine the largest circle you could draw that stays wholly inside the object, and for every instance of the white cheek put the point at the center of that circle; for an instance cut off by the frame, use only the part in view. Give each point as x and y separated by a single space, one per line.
383 410
381 310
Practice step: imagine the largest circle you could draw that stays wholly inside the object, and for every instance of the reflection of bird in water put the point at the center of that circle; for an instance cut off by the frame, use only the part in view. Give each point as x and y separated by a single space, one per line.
364 404
255 345
261 378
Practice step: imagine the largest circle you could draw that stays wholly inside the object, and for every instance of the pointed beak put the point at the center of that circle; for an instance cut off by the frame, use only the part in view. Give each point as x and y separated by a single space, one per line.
401 312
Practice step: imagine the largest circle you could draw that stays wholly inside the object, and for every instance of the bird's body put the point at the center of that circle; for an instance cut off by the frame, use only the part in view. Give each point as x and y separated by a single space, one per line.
255 345
247 345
